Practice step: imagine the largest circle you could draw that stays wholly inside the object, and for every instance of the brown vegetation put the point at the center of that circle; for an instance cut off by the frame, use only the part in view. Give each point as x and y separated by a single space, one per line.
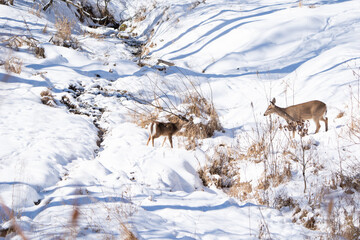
13 64
16 42
47 98
63 36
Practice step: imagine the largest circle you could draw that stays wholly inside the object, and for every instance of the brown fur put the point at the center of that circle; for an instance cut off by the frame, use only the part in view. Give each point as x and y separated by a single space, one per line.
314 110
157 129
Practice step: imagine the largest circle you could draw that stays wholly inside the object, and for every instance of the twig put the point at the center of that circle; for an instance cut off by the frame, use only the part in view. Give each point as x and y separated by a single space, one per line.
165 62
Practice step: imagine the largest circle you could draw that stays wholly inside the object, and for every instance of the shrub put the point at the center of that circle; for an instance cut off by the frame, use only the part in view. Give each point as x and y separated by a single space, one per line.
204 119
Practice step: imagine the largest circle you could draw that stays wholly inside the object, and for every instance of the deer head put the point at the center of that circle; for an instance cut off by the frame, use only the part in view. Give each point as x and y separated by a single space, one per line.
271 107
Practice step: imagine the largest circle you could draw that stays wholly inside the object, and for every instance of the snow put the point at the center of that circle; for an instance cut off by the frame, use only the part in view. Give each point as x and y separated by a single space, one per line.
240 54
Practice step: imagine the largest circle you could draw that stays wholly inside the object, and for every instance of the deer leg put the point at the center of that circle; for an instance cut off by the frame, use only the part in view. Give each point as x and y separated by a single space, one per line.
148 140
152 140
163 142
293 133
317 125
170 140
325 120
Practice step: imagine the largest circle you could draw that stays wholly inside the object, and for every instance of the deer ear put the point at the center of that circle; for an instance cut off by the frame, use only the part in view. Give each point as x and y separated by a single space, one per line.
273 101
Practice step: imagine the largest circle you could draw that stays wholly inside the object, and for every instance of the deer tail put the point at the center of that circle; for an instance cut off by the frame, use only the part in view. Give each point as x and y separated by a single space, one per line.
152 128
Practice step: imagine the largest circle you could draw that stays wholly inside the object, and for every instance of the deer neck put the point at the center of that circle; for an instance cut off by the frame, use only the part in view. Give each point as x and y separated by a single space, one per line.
177 126
282 113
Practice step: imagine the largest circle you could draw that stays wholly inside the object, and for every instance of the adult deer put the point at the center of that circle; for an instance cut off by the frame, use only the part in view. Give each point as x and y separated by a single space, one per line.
157 129
314 110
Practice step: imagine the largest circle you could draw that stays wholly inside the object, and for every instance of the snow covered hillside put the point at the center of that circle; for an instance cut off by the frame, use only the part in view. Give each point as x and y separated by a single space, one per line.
80 81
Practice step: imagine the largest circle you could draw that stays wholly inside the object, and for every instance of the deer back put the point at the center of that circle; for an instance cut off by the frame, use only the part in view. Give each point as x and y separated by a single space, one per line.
307 110
167 128
158 129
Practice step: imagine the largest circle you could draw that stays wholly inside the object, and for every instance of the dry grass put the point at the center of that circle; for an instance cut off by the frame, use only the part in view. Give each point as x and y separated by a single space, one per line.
36 10
63 27
143 118
350 230
354 125
14 227
47 98
300 3
281 202
39 52
195 4
45 30
95 35
241 190
17 42
200 108
354 129
220 169
269 181
256 150
340 114
101 134
310 223
70 104
140 15
128 234
63 33
280 177
348 182
13 64
341 223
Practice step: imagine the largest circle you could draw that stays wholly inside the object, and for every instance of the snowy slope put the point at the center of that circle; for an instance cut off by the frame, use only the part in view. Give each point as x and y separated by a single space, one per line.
54 163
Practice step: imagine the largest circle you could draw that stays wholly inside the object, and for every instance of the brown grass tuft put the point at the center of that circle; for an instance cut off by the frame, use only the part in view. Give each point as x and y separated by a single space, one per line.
256 150
241 190
47 98
63 33
13 64
63 26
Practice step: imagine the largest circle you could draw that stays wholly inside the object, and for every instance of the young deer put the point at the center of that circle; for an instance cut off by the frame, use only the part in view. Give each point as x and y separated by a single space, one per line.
157 129
314 110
